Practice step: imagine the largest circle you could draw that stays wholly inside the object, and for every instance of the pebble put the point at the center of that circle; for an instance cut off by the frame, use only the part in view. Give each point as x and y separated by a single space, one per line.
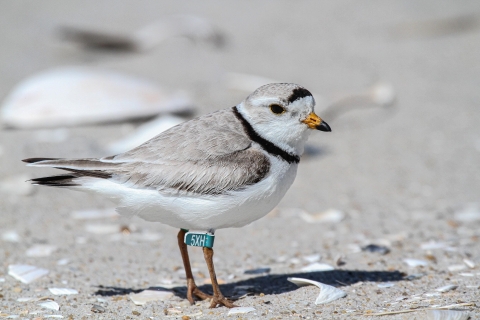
376 249
98 309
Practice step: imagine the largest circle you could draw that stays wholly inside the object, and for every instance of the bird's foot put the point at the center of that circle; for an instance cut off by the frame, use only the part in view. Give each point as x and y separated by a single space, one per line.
221 300
192 290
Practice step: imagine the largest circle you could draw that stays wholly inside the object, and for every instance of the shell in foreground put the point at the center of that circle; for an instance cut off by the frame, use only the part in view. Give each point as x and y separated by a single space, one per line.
72 96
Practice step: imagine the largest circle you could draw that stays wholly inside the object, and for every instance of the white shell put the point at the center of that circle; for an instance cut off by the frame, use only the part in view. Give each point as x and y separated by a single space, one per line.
50 305
150 295
469 263
447 315
328 216
102 228
11 236
312 258
415 263
386 285
447 288
62 291
71 96
456 267
315 267
327 293
26 273
40 250
144 133
239 310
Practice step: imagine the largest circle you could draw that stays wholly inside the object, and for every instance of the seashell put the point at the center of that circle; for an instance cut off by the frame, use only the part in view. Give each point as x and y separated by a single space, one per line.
150 295
148 37
469 263
415 263
239 310
40 250
11 236
327 293
456 267
102 228
385 285
62 291
328 216
316 267
447 288
312 258
72 96
26 273
50 305
144 133
447 315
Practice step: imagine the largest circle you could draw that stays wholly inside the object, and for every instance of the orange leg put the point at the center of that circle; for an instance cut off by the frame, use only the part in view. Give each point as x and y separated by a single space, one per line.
192 289
218 298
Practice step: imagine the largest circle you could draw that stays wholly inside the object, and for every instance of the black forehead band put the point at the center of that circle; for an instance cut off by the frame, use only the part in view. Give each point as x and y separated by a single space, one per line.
298 94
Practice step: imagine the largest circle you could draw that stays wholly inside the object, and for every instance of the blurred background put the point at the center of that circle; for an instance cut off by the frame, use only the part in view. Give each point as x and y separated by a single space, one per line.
398 82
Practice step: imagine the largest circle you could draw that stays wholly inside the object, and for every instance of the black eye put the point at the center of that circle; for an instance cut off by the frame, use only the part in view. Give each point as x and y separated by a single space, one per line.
277 109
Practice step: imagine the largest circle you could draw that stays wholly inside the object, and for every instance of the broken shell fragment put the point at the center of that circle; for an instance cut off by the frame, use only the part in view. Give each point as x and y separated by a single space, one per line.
72 96
40 250
239 310
62 291
415 263
26 273
150 295
328 216
50 305
447 315
447 288
316 267
327 293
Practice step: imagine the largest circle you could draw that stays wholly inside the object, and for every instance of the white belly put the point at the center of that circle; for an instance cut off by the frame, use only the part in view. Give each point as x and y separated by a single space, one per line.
204 212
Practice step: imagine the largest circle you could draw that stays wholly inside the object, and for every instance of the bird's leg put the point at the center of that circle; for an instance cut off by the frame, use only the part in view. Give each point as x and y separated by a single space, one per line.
192 289
218 297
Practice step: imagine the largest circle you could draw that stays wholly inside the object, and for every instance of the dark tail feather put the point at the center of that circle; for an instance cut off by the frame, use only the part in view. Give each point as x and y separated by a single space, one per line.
65 180
33 160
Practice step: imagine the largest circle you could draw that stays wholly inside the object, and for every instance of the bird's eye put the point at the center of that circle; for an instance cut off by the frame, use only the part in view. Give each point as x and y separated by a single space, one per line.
277 109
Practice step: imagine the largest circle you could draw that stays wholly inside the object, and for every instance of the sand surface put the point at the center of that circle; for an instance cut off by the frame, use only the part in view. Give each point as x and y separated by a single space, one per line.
405 176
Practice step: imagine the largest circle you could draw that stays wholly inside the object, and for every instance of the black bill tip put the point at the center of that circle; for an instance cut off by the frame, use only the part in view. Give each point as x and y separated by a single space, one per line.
323 126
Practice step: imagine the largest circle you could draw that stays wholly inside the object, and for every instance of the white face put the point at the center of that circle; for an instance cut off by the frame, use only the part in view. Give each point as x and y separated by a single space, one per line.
279 121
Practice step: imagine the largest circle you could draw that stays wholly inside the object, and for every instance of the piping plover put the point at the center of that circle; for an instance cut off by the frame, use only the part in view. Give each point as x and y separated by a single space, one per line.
225 169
